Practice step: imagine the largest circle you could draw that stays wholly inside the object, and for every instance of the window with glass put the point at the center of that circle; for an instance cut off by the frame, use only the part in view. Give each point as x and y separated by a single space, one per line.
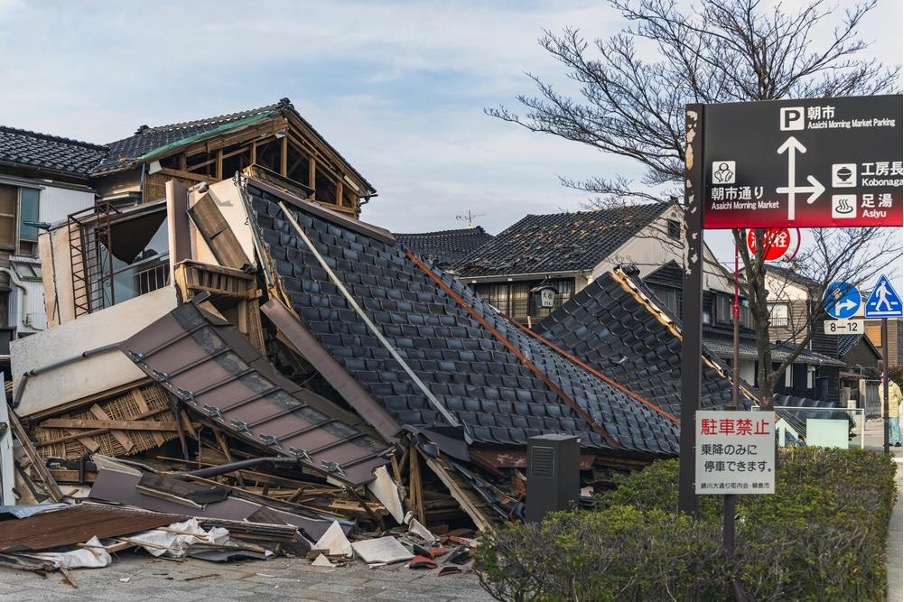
669 296
19 209
131 258
778 314
514 298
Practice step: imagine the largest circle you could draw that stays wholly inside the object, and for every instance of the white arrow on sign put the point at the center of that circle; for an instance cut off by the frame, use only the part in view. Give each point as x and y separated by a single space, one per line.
793 145
846 304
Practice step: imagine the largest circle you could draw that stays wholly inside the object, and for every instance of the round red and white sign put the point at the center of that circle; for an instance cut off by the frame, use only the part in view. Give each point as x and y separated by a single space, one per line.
778 243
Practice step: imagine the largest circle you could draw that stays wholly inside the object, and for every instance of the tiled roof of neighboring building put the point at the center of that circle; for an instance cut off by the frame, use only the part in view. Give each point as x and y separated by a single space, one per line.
722 346
612 326
444 249
791 276
561 242
846 342
42 151
496 381
124 153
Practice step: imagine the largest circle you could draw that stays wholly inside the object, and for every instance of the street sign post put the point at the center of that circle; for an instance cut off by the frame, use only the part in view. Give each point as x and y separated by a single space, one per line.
803 163
841 300
884 301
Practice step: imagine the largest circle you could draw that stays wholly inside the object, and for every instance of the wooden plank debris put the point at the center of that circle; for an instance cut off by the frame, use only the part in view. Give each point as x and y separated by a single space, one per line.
467 500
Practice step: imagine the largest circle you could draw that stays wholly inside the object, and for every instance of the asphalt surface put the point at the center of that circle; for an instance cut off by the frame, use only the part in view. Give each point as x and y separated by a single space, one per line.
134 577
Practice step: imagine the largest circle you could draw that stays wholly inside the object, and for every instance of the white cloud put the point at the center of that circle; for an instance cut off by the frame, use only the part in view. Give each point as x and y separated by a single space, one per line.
398 87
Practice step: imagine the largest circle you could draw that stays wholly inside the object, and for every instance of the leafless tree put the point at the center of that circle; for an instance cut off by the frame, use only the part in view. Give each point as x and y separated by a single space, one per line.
713 51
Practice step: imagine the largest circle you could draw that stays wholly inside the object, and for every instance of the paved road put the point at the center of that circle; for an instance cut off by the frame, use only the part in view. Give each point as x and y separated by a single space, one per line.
139 578
134 578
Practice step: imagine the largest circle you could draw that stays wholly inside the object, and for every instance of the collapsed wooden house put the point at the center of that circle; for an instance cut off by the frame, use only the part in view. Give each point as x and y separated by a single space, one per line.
222 304
296 331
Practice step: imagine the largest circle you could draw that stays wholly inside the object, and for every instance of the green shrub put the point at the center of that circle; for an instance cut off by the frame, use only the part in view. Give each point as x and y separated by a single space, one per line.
821 536
619 553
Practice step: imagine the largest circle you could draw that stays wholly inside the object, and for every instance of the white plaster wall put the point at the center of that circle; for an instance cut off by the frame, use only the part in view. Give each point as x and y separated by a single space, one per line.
91 375
229 202
748 371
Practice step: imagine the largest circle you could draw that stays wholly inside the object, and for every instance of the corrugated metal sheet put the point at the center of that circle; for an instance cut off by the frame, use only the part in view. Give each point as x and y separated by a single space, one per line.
211 366
58 203
77 524
34 315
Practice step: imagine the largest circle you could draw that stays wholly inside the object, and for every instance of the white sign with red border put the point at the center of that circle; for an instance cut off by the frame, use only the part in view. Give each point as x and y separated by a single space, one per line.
735 453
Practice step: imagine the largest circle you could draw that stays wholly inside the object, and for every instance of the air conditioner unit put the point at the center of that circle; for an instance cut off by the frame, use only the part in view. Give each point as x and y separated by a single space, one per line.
553 474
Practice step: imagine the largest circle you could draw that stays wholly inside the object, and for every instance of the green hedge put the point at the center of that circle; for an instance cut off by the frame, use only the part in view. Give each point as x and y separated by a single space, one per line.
820 537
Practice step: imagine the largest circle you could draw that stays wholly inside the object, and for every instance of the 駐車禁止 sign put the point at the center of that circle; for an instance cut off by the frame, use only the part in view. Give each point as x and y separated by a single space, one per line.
735 453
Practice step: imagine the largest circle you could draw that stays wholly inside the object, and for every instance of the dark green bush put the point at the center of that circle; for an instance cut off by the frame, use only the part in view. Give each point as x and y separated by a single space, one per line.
820 537
620 553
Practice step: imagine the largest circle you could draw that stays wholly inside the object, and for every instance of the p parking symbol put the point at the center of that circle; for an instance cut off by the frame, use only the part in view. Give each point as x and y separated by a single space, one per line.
792 118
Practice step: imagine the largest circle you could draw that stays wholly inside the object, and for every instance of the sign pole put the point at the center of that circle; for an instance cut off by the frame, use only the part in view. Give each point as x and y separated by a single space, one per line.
884 385
728 522
692 306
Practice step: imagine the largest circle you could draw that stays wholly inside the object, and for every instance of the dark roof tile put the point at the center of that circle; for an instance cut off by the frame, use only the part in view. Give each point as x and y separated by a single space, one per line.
620 335
470 367
42 151
561 242
447 247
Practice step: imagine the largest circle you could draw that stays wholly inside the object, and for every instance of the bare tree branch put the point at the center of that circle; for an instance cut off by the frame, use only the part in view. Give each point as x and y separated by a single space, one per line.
712 51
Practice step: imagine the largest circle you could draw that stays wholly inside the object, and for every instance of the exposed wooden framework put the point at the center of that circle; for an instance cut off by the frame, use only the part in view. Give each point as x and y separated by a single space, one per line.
282 144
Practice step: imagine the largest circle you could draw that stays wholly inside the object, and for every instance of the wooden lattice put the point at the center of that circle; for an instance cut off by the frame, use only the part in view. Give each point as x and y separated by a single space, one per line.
146 405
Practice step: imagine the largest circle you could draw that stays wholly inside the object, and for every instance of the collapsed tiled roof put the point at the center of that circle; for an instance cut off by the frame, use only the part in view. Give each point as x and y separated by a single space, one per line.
124 153
613 326
561 242
446 248
42 151
465 365
214 369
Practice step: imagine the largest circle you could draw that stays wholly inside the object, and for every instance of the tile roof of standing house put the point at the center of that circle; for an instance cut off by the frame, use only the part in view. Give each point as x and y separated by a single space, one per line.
561 242
847 342
465 365
447 247
45 152
791 276
615 326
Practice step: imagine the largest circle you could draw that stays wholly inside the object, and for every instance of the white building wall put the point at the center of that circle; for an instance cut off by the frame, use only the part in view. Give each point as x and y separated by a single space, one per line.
51 386
651 248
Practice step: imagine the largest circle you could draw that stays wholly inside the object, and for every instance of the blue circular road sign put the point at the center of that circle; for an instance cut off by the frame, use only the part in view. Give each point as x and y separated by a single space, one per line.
841 300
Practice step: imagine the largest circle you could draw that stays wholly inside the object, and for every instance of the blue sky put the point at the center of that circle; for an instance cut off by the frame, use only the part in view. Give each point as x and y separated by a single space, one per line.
398 87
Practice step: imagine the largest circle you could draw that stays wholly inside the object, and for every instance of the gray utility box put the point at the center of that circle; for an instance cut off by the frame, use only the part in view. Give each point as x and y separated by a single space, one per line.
553 471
